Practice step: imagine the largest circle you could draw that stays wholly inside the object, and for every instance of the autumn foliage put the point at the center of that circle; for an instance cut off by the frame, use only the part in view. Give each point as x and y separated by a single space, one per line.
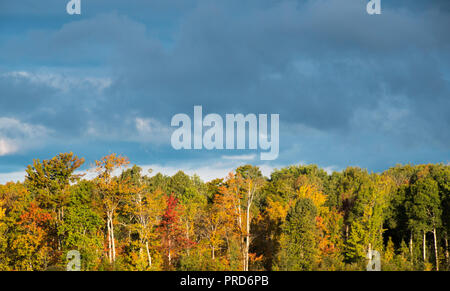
173 238
300 218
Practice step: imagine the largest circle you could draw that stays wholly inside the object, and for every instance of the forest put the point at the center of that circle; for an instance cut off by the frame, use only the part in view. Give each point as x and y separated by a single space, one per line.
301 218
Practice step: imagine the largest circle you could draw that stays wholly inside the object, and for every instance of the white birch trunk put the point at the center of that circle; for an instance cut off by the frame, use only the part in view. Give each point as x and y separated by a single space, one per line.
436 250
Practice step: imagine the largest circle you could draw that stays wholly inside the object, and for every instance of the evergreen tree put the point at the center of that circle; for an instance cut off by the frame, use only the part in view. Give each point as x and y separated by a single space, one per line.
300 238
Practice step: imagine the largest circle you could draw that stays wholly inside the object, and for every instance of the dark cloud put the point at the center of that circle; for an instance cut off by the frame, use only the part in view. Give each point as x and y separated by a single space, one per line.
365 89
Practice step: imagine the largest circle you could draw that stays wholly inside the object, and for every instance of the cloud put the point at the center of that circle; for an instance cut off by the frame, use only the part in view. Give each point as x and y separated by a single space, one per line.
16 135
240 157
151 130
61 82
12 177
349 88
207 173
7 147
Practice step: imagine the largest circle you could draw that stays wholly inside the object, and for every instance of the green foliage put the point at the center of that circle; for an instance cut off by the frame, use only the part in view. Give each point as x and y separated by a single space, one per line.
81 224
367 219
302 218
423 206
299 239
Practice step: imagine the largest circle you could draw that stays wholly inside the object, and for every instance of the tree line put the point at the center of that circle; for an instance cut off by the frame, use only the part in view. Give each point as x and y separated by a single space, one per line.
299 218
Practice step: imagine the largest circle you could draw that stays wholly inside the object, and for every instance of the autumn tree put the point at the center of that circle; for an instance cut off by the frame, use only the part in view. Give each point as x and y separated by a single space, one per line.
49 181
145 208
302 218
112 192
16 200
251 181
30 245
173 240
3 238
328 223
212 228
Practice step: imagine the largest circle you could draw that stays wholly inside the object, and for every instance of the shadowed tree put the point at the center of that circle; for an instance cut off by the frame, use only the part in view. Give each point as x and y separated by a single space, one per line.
299 242
425 211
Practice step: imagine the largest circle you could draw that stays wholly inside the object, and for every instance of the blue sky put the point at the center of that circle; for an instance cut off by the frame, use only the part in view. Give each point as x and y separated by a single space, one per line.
351 89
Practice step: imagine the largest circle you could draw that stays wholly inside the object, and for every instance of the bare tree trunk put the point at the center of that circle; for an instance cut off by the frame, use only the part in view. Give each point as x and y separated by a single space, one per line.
424 246
213 253
168 256
113 241
187 229
148 255
109 241
241 246
58 238
228 246
187 234
446 249
411 247
247 241
243 253
436 250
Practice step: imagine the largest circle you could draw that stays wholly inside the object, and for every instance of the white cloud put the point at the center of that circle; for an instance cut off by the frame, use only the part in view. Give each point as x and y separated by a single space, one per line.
12 177
62 81
240 157
132 129
150 126
16 135
151 130
206 171
7 147
16 129
331 169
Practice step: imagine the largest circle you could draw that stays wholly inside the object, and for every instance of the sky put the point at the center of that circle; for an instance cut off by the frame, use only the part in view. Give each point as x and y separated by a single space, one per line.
351 89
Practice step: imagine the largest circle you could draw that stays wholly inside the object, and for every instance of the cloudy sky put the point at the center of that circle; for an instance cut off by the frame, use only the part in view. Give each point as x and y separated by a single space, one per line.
351 88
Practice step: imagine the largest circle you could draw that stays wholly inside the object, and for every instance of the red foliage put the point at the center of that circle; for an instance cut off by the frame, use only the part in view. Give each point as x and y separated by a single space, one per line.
173 238
35 217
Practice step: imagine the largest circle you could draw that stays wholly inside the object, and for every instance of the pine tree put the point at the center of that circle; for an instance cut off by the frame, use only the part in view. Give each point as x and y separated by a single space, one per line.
300 238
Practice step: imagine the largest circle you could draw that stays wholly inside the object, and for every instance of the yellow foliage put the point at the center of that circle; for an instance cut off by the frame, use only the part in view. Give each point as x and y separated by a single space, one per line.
276 209
311 191
390 251
2 211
